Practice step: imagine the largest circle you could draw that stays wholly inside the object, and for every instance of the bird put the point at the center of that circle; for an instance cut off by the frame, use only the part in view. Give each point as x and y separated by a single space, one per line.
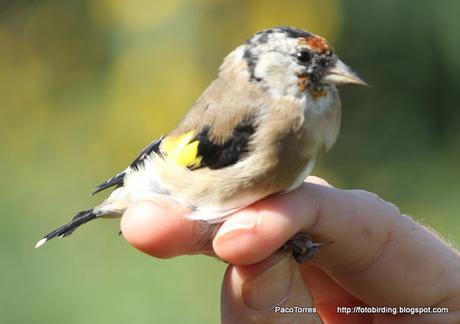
256 130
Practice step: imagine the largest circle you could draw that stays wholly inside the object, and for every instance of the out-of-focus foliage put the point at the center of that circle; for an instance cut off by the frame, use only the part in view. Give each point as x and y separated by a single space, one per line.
85 84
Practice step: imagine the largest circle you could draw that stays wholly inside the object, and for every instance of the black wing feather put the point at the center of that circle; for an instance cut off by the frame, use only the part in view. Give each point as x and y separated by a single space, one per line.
152 147
118 179
216 156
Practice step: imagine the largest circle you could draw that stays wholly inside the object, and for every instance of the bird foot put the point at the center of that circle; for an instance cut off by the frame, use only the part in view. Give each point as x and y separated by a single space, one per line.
303 248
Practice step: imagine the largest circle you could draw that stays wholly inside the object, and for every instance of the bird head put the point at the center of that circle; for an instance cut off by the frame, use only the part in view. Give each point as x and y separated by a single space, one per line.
289 60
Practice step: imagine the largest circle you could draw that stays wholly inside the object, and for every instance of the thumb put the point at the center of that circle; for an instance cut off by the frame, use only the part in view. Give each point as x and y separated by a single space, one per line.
271 291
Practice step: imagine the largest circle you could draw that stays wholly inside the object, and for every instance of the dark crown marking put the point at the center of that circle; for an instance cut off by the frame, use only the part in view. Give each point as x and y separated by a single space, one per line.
293 32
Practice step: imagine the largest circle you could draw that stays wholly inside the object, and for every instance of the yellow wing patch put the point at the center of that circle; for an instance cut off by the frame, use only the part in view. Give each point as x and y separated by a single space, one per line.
182 150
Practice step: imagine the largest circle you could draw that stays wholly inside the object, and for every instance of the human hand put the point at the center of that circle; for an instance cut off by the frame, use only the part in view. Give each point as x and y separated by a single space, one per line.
379 257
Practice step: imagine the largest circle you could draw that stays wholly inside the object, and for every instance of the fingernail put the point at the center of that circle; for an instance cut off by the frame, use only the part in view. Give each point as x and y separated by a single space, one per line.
271 287
238 224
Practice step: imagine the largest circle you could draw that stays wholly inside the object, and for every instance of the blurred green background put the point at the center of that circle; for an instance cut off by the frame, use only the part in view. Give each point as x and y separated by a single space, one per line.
84 85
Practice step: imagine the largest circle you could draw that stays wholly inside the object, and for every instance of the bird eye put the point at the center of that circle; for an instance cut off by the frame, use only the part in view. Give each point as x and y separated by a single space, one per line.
304 56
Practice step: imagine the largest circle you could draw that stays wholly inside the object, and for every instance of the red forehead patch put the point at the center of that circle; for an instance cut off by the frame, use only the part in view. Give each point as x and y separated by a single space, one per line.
316 43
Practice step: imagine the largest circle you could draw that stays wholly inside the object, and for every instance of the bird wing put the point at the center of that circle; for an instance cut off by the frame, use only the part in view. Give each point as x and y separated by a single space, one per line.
199 150
215 133
193 150
217 130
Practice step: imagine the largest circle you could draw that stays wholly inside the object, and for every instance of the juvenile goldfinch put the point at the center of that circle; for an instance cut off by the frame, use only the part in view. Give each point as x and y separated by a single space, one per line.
255 131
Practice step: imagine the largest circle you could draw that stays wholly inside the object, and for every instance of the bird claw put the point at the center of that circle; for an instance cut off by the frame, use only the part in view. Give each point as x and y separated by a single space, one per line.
303 248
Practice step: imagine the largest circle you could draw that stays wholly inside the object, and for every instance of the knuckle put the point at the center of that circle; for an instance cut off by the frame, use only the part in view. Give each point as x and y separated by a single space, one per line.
373 198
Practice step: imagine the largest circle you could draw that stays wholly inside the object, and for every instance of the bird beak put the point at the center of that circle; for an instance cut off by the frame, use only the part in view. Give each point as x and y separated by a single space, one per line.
341 73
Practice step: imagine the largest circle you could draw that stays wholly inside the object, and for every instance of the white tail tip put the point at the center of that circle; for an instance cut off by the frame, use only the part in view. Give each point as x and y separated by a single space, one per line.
40 243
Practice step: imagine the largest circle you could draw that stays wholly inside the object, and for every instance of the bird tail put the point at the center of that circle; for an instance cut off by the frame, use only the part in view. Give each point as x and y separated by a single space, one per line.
67 229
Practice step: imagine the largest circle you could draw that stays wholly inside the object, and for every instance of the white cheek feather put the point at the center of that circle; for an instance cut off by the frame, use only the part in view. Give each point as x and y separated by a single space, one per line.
278 74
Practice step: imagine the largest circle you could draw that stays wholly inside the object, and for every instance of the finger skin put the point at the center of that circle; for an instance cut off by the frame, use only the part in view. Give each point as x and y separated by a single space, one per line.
235 307
160 229
378 255
329 295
